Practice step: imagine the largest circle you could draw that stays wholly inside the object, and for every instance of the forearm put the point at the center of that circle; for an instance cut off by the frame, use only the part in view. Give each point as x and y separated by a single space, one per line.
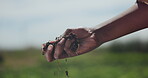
134 19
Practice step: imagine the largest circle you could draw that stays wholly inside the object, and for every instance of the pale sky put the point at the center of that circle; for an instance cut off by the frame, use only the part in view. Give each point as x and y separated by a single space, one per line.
25 23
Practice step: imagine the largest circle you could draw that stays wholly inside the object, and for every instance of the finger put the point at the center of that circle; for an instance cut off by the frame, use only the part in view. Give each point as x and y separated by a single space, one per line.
59 48
48 54
87 45
82 32
69 52
67 32
43 51
68 43
52 41
67 47
45 46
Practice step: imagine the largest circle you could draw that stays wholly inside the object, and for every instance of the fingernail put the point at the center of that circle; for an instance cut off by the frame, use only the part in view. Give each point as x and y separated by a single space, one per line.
49 47
56 58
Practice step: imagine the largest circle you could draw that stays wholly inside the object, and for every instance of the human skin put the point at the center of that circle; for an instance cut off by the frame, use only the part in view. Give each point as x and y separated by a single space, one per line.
133 19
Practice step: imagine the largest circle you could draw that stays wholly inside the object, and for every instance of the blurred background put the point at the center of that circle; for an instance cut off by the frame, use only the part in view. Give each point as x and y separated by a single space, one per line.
26 24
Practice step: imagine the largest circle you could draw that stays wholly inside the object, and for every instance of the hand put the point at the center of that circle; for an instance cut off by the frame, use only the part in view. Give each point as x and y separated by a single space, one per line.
87 42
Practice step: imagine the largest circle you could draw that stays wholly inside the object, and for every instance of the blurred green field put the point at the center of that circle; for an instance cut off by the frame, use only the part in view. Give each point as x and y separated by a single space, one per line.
97 64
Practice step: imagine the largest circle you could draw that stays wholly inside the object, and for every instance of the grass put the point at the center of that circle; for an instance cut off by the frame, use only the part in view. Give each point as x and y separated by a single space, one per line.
104 64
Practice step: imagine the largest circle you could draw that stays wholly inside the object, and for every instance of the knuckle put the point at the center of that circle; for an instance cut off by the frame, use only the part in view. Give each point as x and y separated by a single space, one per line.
68 29
43 44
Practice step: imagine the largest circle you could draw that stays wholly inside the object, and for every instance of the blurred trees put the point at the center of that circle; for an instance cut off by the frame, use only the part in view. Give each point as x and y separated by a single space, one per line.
1 59
132 46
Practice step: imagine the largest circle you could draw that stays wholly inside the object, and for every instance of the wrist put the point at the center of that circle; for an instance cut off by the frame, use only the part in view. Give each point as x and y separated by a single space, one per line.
98 36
